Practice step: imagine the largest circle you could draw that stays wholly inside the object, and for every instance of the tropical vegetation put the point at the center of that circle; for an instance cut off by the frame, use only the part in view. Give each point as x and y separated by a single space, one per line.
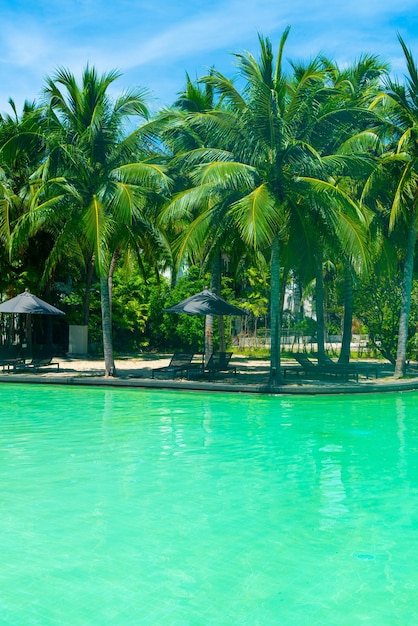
290 178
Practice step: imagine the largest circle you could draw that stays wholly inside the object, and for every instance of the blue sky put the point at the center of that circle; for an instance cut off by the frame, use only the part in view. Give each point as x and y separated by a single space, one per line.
154 42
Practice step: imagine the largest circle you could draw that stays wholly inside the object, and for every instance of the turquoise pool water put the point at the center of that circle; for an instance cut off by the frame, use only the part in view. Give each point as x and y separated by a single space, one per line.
142 507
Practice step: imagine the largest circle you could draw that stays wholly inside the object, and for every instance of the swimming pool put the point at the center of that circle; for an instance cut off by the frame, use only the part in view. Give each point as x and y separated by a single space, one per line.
142 507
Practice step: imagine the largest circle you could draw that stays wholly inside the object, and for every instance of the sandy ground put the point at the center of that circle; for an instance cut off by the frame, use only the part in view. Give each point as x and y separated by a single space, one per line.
248 370
252 376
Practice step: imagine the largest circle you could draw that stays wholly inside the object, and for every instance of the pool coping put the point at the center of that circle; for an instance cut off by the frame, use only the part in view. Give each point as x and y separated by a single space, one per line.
295 388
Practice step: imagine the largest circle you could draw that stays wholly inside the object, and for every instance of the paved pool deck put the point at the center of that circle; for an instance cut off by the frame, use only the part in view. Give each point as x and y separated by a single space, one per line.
252 377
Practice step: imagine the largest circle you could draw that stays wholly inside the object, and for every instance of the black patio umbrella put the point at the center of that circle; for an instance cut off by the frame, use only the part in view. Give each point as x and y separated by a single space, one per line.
28 303
205 303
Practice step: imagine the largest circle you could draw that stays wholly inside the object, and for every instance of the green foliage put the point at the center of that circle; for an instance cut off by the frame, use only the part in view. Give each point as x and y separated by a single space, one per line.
377 306
276 167
139 321
171 331
307 326
130 309
255 292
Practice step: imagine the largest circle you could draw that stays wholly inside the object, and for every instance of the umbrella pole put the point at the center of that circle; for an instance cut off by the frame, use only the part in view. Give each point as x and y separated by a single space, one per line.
204 342
28 332
208 338
10 330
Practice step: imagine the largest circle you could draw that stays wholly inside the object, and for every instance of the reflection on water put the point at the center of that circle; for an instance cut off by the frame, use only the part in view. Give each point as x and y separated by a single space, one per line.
400 418
332 488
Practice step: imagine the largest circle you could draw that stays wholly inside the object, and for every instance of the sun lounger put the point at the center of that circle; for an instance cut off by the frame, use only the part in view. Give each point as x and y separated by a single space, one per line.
307 367
365 369
218 362
179 364
10 356
36 364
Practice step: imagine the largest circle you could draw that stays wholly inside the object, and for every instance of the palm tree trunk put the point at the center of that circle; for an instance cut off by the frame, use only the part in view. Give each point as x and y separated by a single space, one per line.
89 280
400 365
297 296
283 285
320 318
110 369
348 316
275 374
112 268
216 288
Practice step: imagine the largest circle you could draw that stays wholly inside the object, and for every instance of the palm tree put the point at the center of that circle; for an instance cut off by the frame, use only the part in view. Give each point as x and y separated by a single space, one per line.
353 90
201 236
95 178
394 185
22 149
262 166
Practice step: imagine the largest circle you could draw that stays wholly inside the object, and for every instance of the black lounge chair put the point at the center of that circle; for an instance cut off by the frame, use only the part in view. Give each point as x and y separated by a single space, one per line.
306 366
10 356
218 362
35 364
179 364
361 368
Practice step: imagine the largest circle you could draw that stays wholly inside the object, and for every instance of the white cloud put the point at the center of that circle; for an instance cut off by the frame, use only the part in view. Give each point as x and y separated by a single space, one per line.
154 42
24 45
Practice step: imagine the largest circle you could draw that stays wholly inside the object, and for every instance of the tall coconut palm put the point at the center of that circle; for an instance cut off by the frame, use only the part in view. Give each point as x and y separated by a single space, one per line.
394 185
200 237
95 177
22 149
262 166
355 87
351 92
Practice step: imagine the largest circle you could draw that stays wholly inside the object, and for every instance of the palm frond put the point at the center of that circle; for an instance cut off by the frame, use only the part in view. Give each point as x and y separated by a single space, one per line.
258 217
184 203
398 203
98 228
345 216
279 58
366 141
226 88
147 175
201 156
225 175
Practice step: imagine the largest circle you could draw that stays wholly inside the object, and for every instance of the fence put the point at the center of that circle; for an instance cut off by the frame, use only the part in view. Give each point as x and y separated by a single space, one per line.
296 341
